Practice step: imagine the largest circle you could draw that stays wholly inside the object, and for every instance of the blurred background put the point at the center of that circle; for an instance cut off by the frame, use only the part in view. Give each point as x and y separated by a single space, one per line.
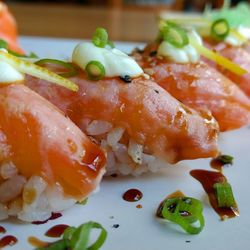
126 20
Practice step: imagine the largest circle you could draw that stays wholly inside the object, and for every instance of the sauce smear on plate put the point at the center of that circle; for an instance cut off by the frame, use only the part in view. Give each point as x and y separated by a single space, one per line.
208 179
132 195
2 230
8 240
56 231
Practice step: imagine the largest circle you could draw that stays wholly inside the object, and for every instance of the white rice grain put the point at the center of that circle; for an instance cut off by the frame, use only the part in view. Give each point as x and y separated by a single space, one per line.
135 150
114 137
98 127
8 170
11 188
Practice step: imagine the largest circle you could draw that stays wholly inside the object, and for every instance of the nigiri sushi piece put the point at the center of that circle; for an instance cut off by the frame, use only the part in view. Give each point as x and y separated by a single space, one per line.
138 123
180 71
236 54
46 162
8 29
227 32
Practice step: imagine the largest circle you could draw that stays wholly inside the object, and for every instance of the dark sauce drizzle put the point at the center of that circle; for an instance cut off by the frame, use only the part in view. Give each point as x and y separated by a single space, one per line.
132 195
2 230
8 240
208 179
218 163
53 216
56 231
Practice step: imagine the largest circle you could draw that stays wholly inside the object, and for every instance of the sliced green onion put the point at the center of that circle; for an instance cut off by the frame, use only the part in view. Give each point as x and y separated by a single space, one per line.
83 202
111 44
3 44
100 38
224 194
184 211
225 159
95 70
175 35
36 71
72 70
220 29
31 55
220 60
78 238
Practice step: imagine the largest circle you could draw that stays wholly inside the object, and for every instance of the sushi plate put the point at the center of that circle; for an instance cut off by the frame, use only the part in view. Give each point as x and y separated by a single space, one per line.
138 227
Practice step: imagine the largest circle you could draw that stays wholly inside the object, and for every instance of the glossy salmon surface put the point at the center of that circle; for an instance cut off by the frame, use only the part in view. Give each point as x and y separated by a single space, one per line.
40 140
8 30
151 116
201 87
238 55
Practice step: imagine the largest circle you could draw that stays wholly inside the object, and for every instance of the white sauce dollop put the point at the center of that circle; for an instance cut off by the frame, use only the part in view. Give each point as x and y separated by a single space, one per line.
181 55
234 41
115 62
9 74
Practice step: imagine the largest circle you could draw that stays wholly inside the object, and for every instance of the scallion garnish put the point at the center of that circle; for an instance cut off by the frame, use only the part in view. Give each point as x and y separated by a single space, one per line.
224 194
220 29
32 69
175 35
184 211
95 70
71 69
225 159
101 38
83 202
4 45
78 238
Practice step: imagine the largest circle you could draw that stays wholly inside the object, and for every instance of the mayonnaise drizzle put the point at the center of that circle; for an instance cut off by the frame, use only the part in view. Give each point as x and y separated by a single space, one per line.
115 62
9 74
181 55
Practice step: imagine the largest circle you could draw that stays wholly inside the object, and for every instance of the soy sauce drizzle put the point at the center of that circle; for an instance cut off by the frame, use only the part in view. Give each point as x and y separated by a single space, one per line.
53 216
208 179
56 231
132 195
2 230
8 240
219 162
35 242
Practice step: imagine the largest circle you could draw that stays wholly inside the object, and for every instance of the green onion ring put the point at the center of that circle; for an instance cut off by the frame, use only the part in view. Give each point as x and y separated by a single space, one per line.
184 211
95 70
100 38
78 237
3 44
72 70
175 35
224 194
220 29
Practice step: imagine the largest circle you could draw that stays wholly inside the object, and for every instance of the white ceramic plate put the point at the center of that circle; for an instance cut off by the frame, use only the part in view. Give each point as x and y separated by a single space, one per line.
139 229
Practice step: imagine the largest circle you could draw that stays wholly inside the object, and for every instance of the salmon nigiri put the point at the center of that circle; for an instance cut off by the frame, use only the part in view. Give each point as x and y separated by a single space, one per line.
46 162
238 55
132 117
179 70
199 86
8 30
